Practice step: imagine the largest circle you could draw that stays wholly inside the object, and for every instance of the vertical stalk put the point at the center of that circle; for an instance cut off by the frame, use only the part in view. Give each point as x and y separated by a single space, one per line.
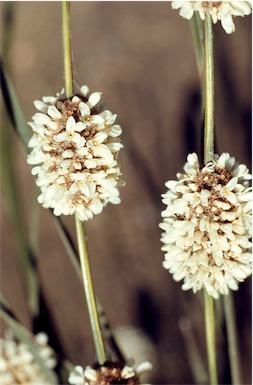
210 338
233 349
197 365
67 56
209 92
89 291
208 155
197 29
80 228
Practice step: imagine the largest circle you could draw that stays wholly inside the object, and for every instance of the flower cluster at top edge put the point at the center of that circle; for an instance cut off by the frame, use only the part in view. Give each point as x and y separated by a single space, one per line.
225 11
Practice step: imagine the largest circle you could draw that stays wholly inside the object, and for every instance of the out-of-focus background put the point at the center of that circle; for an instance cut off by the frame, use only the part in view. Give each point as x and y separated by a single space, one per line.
141 56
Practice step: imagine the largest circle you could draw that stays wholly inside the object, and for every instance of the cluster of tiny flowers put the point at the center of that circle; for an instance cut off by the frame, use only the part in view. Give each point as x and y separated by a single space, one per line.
219 10
109 373
75 147
17 364
207 225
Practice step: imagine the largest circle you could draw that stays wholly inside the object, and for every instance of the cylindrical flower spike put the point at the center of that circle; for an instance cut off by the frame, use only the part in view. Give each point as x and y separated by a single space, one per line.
75 147
224 11
207 225
109 373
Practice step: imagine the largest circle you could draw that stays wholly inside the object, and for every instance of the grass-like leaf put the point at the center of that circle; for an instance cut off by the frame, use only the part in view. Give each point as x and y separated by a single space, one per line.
13 108
25 255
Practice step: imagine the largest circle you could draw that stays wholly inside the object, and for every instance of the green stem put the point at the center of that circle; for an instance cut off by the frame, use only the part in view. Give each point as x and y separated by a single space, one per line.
89 291
209 92
208 155
66 40
198 39
80 228
195 358
73 254
197 28
233 348
210 338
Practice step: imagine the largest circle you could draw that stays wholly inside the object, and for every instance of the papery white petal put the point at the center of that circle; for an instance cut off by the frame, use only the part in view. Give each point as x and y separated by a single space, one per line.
70 125
96 206
53 112
85 90
84 109
80 126
40 106
115 131
94 99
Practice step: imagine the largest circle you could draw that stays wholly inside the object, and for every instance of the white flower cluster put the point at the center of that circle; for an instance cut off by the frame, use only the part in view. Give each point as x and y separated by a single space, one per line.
207 225
17 364
75 148
219 10
109 373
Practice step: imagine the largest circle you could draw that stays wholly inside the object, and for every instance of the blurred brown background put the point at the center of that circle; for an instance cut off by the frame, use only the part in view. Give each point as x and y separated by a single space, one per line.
141 56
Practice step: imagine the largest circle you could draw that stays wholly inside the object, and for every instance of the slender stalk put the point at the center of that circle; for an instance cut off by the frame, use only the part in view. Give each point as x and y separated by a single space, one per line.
197 28
89 291
67 56
198 39
209 91
73 254
208 155
233 349
80 228
195 358
210 338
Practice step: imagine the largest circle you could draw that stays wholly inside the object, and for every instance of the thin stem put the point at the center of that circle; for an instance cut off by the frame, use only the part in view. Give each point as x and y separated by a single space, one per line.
210 338
89 291
233 348
195 359
209 91
198 39
80 228
73 254
197 28
66 40
208 155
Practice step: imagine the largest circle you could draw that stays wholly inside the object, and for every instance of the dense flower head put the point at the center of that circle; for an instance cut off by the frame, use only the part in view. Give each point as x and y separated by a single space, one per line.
17 364
207 225
108 373
219 10
75 146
